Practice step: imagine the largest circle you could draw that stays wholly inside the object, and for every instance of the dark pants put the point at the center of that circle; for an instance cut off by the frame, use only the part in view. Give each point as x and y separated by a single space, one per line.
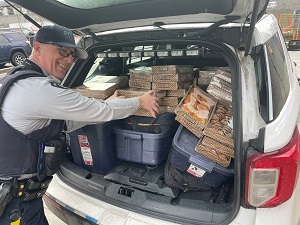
32 212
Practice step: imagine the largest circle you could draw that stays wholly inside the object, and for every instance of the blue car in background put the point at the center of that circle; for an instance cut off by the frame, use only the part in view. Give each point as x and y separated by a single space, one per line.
14 48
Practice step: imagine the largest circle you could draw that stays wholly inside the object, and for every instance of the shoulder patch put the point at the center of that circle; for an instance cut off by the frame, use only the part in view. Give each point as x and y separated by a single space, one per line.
54 84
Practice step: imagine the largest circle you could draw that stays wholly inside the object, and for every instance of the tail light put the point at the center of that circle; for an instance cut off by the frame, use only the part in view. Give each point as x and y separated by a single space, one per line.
271 177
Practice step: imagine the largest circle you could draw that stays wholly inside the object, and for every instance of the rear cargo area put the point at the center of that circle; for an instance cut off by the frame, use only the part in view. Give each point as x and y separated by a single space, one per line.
178 166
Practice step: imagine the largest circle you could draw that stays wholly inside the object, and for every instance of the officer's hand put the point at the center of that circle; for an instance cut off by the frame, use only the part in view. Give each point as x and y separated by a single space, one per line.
114 96
150 102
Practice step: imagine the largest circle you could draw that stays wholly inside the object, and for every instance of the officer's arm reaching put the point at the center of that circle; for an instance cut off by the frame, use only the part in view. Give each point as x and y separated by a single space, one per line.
147 101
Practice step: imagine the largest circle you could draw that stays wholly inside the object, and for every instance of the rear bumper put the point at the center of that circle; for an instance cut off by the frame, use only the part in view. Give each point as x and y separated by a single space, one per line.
64 213
76 208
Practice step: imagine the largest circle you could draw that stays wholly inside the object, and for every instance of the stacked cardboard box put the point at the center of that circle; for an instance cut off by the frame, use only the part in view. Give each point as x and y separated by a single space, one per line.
194 110
210 119
174 80
220 85
217 141
101 87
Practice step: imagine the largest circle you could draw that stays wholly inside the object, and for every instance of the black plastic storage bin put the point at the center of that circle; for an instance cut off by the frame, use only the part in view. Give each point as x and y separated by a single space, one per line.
93 147
185 158
145 148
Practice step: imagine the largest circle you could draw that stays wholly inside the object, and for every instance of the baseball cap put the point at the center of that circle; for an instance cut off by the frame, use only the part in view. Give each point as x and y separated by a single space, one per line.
59 35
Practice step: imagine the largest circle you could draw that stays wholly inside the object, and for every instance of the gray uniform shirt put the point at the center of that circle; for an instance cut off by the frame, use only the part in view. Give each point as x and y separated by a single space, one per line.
32 103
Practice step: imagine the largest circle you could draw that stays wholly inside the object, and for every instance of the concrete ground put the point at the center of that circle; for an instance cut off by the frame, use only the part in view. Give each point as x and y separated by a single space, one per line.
4 70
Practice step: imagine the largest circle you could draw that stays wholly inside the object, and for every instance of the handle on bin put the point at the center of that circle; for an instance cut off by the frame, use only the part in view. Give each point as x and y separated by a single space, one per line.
133 136
196 161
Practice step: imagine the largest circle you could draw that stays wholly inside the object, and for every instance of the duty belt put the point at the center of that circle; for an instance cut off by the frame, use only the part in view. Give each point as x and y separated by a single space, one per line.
29 189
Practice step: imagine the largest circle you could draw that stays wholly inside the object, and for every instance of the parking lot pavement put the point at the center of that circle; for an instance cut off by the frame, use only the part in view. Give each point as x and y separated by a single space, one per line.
4 71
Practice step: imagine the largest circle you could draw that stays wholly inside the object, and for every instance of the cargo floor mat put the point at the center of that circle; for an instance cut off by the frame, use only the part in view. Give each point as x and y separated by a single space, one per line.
147 178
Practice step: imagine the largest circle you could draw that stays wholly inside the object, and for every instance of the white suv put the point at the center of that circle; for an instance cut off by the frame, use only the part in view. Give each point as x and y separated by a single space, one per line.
232 34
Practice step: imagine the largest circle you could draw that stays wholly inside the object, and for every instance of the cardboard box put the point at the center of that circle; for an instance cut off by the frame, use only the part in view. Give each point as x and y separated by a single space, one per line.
215 151
165 78
218 127
101 87
194 110
171 85
172 69
147 85
162 109
141 74
97 90
205 77
176 93
131 92
169 101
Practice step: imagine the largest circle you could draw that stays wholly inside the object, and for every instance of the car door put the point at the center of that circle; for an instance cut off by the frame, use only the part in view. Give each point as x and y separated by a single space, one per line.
5 47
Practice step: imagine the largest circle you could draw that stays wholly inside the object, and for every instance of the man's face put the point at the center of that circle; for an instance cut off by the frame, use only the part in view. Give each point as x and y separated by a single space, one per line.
55 60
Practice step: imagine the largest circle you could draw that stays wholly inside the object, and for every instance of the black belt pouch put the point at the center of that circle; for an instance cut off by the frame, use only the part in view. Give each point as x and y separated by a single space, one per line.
52 153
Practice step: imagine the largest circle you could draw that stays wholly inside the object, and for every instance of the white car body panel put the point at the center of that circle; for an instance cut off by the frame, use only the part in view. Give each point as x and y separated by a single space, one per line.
240 12
104 213
95 210
284 214
252 120
278 133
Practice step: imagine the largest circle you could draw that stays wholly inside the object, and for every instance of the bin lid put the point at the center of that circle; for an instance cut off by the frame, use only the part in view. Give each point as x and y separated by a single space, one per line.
185 142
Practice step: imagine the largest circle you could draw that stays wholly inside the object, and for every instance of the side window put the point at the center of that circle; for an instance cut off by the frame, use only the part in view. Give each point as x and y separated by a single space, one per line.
262 82
16 37
279 77
3 40
109 62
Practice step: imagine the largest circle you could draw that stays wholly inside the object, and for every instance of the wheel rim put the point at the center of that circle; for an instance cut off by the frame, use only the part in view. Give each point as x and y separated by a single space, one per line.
19 59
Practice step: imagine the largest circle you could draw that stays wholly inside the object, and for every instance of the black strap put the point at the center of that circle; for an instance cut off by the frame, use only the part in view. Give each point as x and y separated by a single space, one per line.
27 65
27 69
151 128
134 124
18 76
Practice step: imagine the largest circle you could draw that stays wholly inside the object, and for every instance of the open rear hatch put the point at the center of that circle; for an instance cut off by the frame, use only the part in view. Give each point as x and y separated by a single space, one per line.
90 17
125 178
129 168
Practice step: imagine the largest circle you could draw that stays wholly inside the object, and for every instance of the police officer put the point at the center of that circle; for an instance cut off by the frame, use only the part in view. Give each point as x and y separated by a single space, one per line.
34 111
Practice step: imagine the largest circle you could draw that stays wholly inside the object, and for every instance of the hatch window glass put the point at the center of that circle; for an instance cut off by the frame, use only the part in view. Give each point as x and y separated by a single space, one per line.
279 74
90 4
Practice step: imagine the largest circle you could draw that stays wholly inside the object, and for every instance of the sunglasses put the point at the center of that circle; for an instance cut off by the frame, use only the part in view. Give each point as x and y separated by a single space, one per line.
64 51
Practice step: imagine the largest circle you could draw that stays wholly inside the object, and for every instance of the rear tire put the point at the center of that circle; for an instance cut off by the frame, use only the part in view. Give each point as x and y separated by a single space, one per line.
17 58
